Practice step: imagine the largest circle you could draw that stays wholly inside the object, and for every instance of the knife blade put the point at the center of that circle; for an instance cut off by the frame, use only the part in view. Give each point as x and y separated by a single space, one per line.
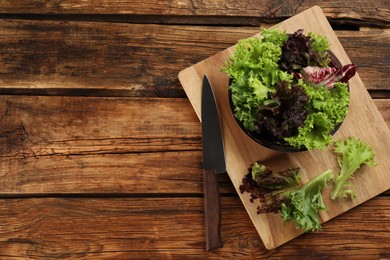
213 163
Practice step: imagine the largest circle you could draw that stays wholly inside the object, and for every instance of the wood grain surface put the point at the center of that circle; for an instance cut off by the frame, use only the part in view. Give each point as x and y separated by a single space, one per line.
375 13
111 59
100 151
173 228
241 151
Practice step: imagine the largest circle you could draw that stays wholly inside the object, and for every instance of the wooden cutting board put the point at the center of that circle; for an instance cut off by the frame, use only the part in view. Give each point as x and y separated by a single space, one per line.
363 121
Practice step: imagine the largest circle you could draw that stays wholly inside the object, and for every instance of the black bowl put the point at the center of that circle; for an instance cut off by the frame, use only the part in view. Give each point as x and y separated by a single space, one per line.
265 138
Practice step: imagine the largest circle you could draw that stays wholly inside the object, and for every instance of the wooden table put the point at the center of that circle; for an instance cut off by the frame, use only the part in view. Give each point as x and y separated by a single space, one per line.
101 153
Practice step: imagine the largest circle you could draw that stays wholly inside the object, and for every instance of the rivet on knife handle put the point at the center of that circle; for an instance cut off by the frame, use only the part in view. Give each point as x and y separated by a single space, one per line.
212 210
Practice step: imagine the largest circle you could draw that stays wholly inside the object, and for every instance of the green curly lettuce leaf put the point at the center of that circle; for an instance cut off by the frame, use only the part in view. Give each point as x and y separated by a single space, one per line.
352 153
320 44
305 203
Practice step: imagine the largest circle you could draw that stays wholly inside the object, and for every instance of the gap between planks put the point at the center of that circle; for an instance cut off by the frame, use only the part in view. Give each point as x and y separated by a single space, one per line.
216 21
206 11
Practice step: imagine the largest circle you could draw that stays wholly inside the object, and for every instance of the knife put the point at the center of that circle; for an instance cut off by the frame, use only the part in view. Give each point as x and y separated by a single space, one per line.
213 163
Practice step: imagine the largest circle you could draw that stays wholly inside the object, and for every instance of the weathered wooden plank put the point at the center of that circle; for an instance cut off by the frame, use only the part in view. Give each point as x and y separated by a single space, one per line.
361 12
107 145
35 126
68 144
111 59
107 58
370 73
173 228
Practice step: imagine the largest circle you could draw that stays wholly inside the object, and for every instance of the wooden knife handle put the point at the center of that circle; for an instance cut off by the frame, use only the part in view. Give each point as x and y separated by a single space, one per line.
212 207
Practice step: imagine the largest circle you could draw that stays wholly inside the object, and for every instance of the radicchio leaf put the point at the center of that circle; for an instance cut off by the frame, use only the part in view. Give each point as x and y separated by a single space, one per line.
347 72
319 76
328 76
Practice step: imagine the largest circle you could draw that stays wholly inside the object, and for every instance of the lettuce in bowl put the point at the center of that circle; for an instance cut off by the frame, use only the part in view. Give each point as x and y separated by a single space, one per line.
288 91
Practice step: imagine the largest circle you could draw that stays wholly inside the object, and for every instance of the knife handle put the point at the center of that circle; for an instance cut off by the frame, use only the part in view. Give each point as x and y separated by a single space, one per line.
212 207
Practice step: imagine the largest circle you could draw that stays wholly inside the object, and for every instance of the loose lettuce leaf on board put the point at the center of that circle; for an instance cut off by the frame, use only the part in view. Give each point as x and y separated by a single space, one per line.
351 154
305 203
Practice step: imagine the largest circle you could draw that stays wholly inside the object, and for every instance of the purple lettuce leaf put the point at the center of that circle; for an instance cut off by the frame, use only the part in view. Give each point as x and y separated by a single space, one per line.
269 187
297 53
284 112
